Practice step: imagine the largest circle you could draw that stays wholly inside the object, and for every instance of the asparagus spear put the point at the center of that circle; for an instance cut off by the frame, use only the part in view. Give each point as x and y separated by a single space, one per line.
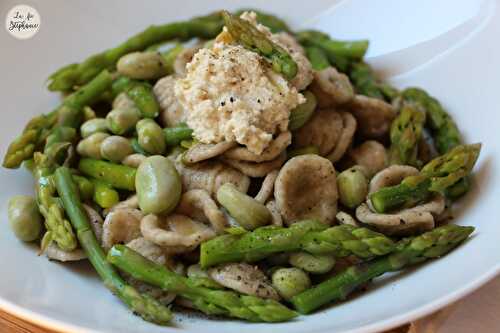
117 175
275 24
406 132
340 53
58 228
365 82
310 236
317 57
445 131
210 301
68 114
251 38
432 244
78 74
147 307
436 176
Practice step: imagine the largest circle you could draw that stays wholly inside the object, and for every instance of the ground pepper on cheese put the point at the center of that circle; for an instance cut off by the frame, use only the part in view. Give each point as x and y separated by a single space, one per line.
231 94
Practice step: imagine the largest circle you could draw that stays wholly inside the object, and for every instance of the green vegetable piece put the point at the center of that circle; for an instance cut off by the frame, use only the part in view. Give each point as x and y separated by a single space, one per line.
85 187
58 228
175 135
289 282
115 148
317 57
364 81
251 38
137 147
122 121
208 300
302 113
311 236
248 212
274 23
142 65
147 307
406 132
436 176
432 244
352 185
150 136
92 126
104 195
158 185
333 48
143 97
91 145
445 131
116 175
24 218
314 264
170 56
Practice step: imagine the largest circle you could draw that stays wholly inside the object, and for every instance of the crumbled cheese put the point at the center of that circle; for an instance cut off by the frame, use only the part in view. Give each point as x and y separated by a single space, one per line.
231 94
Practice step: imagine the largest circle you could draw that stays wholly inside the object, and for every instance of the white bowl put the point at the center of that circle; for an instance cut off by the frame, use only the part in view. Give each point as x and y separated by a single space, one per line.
448 47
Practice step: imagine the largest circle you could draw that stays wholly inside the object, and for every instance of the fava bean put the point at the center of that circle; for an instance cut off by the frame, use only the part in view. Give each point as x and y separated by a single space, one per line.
150 136
115 148
96 125
91 145
24 218
142 65
158 185
289 282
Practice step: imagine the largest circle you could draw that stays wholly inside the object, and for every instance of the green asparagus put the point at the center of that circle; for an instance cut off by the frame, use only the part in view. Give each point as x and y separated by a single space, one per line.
174 135
210 301
432 244
78 74
364 80
406 132
118 176
310 236
58 228
251 38
436 176
317 57
445 131
274 23
145 306
340 53
23 147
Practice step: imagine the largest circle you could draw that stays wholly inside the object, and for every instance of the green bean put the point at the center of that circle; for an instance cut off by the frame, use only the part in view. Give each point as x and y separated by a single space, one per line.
142 65
352 186
289 282
302 113
122 121
24 218
174 135
314 264
158 185
91 145
85 186
150 136
142 95
96 125
115 148
248 212
118 176
104 195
